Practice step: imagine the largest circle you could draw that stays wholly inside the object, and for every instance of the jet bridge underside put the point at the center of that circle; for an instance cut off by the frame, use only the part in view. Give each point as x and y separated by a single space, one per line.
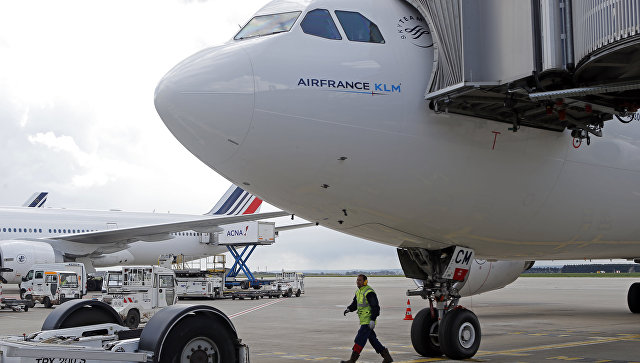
552 64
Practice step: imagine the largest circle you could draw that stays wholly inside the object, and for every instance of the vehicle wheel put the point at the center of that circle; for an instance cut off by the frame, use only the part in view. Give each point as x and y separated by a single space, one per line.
298 293
47 302
245 284
133 319
459 334
25 308
31 302
256 286
233 298
194 340
74 313
22 291
424 333
633 298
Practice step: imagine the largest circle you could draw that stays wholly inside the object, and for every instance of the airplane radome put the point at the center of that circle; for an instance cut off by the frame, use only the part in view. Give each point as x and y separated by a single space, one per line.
319 106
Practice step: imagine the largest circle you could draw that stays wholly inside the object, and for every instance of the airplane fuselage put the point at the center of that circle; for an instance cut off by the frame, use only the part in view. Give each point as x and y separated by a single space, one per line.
338 132
29 224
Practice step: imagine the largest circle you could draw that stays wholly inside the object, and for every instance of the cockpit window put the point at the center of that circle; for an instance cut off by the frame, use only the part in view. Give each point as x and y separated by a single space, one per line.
268 24
318 22
358 28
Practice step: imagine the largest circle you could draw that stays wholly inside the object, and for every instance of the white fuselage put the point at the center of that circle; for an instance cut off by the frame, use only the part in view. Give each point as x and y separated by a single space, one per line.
17 223
406 176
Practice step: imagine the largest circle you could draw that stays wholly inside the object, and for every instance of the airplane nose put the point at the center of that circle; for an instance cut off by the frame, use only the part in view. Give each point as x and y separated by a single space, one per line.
207 101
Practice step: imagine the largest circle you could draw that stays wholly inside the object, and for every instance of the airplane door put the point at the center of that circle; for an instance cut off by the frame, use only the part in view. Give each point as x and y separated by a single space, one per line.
167 291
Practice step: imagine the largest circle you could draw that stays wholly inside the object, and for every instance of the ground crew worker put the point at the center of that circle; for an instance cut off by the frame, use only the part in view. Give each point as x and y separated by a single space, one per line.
366 302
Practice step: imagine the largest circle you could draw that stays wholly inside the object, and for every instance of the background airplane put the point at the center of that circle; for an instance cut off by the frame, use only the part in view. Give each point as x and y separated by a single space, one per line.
108 238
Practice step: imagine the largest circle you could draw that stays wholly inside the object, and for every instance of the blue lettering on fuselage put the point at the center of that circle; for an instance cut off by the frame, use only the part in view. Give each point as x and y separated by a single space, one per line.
350 85
235 232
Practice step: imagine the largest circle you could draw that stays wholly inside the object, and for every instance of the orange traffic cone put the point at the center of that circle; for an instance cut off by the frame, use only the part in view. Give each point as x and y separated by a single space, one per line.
407 315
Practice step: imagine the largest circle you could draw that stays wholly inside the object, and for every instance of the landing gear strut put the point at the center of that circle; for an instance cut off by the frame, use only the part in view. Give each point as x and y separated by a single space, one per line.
444 327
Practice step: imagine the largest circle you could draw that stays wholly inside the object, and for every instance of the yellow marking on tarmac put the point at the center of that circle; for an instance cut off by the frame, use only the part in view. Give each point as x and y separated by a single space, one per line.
562 357
538 334
561 345
422 360
603 361
517 332
564 335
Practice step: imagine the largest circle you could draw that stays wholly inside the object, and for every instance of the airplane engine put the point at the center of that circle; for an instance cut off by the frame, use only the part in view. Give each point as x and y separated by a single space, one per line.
20 255
486 276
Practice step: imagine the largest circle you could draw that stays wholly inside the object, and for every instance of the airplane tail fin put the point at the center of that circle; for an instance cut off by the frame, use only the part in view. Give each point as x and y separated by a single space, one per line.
37 200
236 201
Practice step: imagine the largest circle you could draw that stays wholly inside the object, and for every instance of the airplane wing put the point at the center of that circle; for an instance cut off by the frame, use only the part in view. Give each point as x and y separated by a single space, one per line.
158 232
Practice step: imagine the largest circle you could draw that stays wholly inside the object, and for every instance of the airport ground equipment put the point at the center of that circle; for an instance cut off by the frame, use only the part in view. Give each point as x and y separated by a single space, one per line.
551 64
14 304
291 283
92 331
192 283
31 283
55 287
136 293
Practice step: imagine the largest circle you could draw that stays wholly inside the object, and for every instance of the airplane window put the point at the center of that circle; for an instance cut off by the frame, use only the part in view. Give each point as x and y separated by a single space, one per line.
20 230
318 22
358 28
268 24
49 230
40 230
4 230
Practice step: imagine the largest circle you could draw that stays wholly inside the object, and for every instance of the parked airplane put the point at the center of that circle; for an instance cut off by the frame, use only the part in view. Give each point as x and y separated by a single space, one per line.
108 238
319 106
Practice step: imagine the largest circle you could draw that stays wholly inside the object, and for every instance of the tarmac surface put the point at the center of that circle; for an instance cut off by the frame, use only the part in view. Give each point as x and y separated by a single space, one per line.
534 319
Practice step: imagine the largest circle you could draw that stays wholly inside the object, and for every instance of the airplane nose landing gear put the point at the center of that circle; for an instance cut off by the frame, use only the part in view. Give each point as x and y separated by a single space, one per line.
447 328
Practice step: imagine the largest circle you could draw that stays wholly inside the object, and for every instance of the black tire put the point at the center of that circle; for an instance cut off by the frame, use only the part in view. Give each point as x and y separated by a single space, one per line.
633 298
245 284
424 334
47 302
133 319
75 313
256 286
25 308
298 293
22 292
193 332
459 334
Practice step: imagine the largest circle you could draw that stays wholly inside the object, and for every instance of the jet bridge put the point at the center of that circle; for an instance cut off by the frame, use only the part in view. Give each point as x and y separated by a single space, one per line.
552 64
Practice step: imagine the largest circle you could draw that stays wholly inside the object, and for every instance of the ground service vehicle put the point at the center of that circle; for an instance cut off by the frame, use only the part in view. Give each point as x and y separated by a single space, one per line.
92 331
199 284
290 283
143 290
30 283
54 287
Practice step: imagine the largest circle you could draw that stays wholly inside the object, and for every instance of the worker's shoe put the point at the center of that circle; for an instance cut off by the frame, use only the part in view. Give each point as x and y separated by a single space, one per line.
354 357
386 357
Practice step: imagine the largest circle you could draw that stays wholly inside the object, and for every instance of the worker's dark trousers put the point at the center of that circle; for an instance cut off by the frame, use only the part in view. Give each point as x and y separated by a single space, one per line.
365 333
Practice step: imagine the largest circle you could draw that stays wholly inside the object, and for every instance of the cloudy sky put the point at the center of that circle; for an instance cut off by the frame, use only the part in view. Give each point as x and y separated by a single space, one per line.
77 118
